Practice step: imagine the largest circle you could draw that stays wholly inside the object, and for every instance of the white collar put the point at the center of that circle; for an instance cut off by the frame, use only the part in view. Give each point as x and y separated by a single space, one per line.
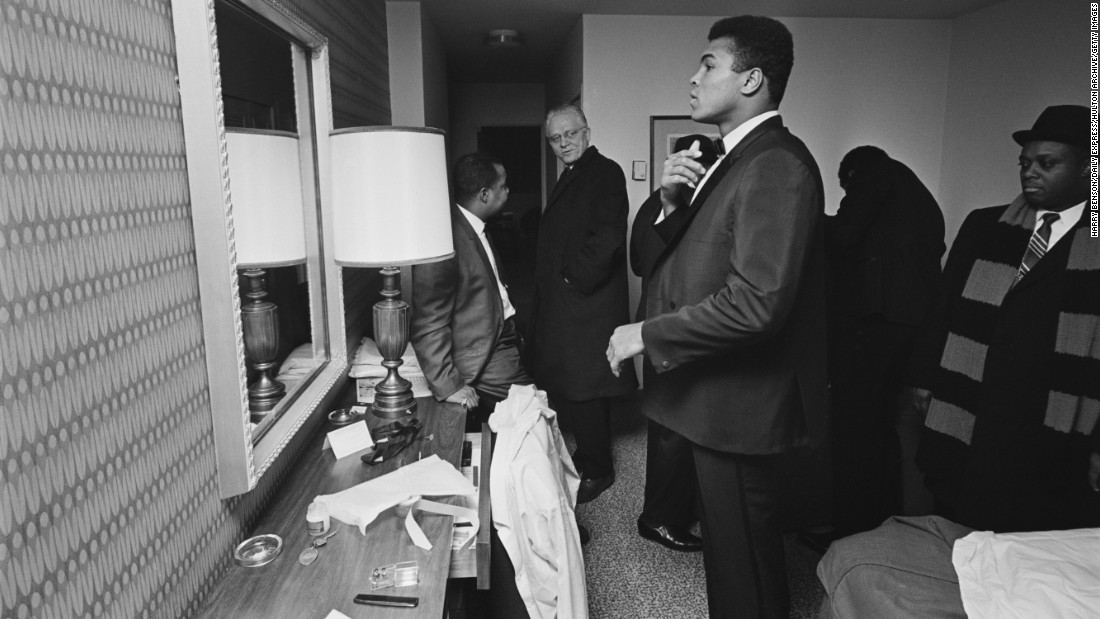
1068 217
733 138
475 221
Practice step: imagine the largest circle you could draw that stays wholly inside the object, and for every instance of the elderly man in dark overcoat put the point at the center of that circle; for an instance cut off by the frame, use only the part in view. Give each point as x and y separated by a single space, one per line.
581 294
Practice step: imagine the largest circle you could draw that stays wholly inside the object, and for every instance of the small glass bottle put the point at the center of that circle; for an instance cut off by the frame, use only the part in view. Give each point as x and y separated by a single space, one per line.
317 518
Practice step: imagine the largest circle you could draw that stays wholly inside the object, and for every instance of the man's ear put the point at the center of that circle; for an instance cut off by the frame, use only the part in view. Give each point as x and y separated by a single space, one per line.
483 195
754 81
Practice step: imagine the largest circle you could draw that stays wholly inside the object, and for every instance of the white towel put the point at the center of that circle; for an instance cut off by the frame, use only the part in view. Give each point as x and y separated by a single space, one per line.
367 362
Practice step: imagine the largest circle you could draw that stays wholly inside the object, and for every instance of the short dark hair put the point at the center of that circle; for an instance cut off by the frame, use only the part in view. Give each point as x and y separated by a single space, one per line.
860 158
473 172
759 42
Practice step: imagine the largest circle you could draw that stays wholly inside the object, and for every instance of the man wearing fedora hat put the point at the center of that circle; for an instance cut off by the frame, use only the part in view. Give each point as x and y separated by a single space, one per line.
1009 377
1010 369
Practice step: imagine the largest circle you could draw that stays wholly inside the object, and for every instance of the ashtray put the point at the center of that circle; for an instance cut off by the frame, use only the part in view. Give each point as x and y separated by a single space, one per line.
343 417
259 550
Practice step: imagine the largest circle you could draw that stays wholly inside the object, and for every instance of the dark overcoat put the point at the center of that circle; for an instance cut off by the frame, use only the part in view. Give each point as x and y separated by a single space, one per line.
581 292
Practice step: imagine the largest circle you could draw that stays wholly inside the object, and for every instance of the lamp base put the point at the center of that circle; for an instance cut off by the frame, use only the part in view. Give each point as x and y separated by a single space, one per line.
393 396
260 328
265 393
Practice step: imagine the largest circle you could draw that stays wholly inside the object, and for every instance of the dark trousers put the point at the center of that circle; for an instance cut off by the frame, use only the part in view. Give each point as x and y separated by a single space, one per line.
867 365
669 478
503 370
742 540
590 422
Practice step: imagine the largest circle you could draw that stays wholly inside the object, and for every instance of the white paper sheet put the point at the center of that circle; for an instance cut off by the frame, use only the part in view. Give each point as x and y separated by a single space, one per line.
350 439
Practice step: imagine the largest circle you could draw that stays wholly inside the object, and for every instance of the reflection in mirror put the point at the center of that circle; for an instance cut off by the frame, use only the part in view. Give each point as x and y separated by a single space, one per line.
294 109
263 150
269 226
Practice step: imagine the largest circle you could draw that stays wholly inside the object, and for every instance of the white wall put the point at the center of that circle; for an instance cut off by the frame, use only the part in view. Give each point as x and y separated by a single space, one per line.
404 33
1008 62
565 83
866 81
418 68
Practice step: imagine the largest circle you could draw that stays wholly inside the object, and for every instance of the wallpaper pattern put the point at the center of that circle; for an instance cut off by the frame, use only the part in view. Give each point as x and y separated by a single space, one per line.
108 491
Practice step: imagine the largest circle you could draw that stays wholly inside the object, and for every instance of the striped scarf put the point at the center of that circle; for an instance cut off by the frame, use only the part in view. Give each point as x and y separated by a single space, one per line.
1073 403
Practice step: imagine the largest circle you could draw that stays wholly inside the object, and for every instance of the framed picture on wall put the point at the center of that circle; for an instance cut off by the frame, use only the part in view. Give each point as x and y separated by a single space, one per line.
663 133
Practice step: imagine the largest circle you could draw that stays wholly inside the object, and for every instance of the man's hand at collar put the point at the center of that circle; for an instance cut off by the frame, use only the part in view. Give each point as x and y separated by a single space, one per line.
681 168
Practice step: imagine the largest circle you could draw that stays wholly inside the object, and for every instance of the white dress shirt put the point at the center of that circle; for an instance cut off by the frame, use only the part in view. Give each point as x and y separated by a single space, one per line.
1067 219
479 228
730 141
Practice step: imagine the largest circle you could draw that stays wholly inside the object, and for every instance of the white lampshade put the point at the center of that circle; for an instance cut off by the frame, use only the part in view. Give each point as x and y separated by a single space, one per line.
389 196
266 188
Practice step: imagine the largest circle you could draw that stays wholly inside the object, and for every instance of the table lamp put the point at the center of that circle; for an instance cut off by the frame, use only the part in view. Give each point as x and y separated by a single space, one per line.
390 208
269 227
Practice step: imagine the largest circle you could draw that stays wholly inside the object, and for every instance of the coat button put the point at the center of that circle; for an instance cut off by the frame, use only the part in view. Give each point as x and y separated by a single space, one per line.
664 364
672 305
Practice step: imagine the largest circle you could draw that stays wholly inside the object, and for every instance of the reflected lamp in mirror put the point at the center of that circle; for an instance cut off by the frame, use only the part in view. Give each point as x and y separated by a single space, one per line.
269 228
390 208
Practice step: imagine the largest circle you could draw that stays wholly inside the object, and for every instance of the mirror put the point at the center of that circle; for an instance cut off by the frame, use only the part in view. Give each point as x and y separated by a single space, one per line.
250 71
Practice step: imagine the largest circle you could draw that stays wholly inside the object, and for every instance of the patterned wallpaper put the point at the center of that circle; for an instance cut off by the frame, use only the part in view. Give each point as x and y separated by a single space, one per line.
108 491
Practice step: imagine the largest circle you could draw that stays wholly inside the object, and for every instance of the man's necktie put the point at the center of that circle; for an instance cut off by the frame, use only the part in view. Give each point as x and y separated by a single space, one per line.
496 256
1037 246
720 147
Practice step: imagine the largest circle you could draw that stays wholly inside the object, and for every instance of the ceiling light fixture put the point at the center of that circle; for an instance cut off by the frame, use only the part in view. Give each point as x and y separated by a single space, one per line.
503 38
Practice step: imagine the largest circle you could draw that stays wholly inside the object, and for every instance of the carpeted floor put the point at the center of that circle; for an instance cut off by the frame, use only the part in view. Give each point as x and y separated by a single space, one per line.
632 578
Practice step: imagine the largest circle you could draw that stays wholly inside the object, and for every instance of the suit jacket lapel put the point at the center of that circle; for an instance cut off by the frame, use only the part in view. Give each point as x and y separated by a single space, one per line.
1054 258
567 177
724 166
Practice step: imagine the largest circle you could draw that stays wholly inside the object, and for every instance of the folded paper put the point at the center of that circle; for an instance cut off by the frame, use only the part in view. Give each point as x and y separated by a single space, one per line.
349 439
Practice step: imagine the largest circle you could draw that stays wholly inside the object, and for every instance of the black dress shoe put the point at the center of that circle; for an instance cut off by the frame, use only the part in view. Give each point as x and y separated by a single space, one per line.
593 487
673 538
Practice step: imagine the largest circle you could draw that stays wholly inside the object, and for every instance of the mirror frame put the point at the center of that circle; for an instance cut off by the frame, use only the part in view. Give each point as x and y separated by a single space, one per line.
241 460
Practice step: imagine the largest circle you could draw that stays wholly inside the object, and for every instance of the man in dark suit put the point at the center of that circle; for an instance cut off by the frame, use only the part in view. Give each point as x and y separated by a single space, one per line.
1009 369
463 331
884 246
581 294
668 508
735 312
462 327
